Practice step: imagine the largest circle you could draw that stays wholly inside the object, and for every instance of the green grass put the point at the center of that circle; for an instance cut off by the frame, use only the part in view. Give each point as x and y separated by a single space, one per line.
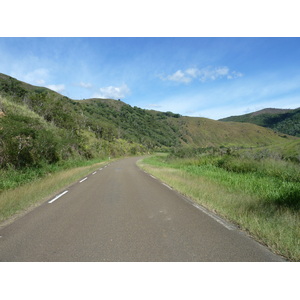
285 121
260 200
31 192
12 178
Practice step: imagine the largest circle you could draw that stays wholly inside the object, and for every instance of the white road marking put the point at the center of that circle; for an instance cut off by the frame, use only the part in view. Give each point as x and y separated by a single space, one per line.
94 173
167 186
58 196
82 180
101 169
215 217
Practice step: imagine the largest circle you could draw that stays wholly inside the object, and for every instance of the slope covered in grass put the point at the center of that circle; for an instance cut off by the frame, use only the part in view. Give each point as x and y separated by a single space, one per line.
205 132
40 126
282 120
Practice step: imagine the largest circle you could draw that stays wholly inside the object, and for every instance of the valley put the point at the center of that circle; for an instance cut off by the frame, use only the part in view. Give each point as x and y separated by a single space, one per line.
48 141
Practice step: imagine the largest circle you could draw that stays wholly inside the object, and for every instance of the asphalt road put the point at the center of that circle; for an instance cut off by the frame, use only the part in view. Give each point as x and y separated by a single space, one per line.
121 213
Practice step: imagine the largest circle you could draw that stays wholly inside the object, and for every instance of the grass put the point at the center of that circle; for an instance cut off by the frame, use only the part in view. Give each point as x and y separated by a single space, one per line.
29 194
202 132
11 178
261 201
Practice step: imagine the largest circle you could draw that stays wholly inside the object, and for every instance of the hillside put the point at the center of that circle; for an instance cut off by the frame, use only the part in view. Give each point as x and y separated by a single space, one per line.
206 133
40 126
283 120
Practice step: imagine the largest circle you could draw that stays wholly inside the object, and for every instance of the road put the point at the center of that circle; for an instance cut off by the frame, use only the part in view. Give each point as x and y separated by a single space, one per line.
120 213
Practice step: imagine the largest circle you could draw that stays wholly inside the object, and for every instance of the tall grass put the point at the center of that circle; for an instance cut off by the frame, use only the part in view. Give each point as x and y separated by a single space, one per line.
27 192
11 178
262 197
271 189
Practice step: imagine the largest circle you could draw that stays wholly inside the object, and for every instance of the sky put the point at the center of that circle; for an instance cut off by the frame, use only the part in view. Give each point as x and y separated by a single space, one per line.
194 76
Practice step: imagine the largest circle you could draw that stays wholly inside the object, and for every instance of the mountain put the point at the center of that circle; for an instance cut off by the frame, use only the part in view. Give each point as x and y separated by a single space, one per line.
282 120
38 125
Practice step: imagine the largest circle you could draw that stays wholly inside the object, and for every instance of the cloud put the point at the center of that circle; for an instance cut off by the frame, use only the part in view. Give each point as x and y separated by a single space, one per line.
192 72
205 74
210 73
114 92
85 85
59 88
179 76
235 98
234 75
37 76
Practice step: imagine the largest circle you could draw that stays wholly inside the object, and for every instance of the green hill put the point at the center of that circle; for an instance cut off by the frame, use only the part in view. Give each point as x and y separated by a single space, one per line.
38 126
282 120
206 133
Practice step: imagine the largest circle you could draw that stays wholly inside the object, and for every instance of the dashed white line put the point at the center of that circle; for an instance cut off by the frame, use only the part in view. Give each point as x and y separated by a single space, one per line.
58 196
101 169
94 173
152 176
82 180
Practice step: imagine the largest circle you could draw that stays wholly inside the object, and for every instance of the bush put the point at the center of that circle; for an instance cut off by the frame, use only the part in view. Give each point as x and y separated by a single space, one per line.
26 142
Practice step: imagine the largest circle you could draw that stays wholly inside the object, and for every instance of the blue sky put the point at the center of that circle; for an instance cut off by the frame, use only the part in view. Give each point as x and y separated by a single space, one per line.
207 77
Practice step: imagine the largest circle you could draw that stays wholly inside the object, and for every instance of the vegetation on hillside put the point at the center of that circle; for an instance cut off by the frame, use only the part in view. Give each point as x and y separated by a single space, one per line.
112 121
202 132
285 121
39 127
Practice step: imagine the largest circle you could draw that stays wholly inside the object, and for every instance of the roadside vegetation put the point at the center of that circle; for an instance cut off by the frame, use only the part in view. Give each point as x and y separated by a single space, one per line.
30 187
256 189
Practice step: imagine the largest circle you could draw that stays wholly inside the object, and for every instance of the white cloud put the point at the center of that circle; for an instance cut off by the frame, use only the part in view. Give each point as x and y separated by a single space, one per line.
234 75
37 76
179 76
59 88
85 85
114 92
192 72
210 73
203 75
236 97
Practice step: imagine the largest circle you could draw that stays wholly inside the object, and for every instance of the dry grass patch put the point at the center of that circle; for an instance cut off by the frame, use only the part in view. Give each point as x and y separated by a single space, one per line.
27 196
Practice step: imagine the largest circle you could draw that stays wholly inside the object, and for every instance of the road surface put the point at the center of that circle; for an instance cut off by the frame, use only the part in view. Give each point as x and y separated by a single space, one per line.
120 213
